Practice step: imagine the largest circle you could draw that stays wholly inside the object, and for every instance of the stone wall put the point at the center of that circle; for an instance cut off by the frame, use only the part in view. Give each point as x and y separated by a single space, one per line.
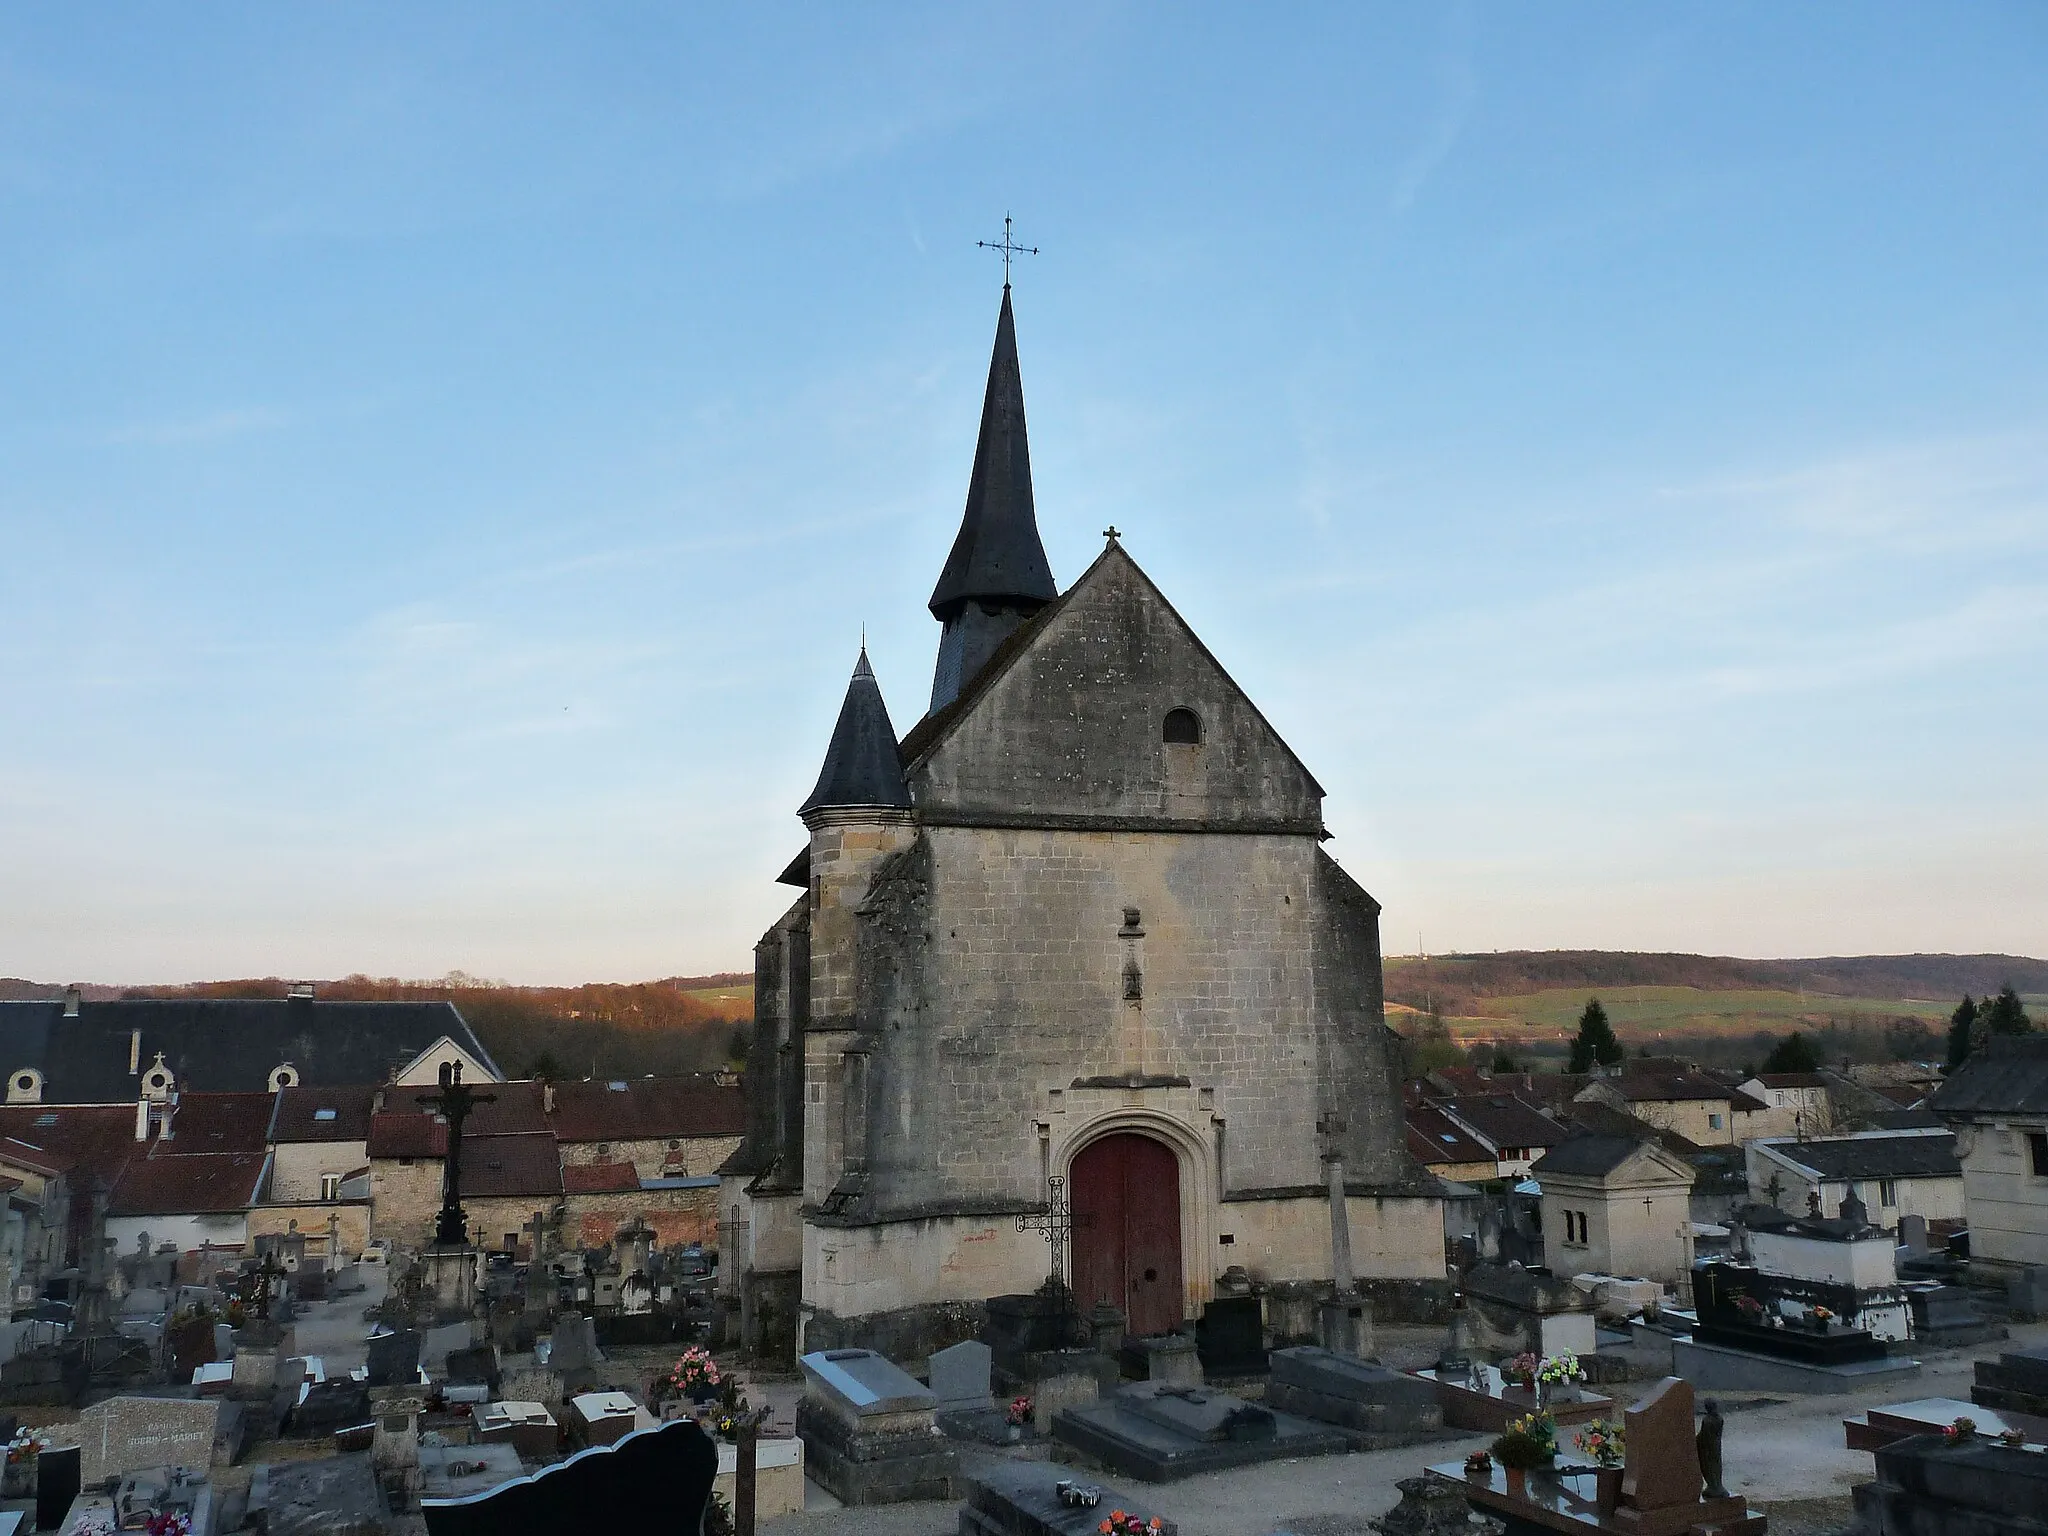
312 1219
678 1216
656 1158
298 1166
2008 1205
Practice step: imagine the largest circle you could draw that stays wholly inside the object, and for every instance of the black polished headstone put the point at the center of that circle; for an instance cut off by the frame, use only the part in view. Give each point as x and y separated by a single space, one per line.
1230 1337
652 1480
332 1406
57 1484
394 1358
476 1367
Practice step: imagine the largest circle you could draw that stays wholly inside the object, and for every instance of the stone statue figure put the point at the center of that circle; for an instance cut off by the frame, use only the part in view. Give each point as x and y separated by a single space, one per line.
1709 1443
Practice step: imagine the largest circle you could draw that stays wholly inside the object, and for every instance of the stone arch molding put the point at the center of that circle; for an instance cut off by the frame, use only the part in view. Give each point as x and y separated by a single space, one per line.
25 1086
1197 1186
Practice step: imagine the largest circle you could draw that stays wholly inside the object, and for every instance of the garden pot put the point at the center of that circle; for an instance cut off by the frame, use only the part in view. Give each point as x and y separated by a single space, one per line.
703 1395
1015 1432
1518 1482
1606 1489
1563 1392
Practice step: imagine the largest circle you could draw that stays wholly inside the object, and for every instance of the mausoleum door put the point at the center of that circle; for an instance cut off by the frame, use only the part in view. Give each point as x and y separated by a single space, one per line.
1126 1204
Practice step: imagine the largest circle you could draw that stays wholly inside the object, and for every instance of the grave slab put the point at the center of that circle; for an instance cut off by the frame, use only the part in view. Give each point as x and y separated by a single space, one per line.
337 1496
1927 1487
130 1434
869 1430
2017 1382
461 1471
1722 1368
1139 1432
1382 1408
1023 1499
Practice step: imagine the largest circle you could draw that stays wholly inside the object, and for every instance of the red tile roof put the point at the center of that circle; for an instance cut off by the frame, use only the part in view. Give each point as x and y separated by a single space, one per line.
524 1164
1506 1121
598 1178
648 1109
95 1138
298 1111
1434 1138
187 1184
221 1122
406 1133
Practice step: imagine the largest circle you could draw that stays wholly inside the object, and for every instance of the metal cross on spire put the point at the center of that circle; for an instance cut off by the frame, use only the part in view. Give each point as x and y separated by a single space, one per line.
1008 247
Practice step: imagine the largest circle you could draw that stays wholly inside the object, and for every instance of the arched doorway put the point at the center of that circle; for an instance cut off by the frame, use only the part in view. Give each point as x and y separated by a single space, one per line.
1126 1204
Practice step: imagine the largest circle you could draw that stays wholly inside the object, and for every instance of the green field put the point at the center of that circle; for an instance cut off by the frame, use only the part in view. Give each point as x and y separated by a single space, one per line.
1645 1013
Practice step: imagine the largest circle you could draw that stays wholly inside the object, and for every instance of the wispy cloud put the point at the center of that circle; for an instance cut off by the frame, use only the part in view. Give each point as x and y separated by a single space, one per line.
1459 92
212 426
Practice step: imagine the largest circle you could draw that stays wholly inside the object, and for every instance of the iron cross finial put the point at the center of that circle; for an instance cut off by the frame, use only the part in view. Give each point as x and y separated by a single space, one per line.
1008 247
1110 533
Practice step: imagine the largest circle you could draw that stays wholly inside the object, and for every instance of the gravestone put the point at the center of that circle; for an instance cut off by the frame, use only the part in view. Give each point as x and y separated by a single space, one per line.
330 1407
59 1476
1382 1408
128 1434
960 1376
1660 1479
1913 1234
1230 1339
867 1427
1947 1315
653 1480
393 1359
1170 1359
574 1349
474 1367
337 1496
1039 1499
2016 1382
2026 1292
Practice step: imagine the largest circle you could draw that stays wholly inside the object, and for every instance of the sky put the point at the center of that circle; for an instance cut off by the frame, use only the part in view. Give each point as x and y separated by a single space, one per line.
448 454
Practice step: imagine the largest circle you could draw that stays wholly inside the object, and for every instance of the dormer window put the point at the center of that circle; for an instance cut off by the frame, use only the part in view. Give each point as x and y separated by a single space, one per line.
285 1075
1181 728
25 1087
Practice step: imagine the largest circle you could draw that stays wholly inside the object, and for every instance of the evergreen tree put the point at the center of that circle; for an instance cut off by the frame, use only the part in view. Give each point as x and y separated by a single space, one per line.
1503 1062
1792 1054
1595 1041
1961 1024
2003 1015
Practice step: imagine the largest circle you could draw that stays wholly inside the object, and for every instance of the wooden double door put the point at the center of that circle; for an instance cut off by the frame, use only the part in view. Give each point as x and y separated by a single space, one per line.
1126 1204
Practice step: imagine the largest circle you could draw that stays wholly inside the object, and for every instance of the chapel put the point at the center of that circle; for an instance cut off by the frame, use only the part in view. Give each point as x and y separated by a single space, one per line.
1068 955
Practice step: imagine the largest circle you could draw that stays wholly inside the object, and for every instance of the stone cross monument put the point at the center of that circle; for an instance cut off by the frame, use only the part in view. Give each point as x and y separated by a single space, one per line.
455 1100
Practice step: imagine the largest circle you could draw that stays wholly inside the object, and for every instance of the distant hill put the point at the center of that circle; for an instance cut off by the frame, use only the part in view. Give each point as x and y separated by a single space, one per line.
1456 984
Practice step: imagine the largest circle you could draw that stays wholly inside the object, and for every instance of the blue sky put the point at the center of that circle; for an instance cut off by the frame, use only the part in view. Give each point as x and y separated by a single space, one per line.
447 454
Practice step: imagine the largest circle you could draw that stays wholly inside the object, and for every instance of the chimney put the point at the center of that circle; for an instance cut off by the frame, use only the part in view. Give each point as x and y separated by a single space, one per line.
301 992
134 1051
377 1102
547 1098
73 996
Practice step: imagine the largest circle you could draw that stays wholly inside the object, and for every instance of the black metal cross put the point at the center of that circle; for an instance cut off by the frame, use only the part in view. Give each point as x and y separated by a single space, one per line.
1008 247
1057 1224
455 1100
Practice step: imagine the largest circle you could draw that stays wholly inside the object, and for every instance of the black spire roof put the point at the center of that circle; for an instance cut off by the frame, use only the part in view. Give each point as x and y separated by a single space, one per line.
862 766
997 554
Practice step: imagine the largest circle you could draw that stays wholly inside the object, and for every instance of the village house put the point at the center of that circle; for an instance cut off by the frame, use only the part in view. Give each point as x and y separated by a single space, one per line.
664 1127
1796 1103
1447 1149
1894 1174
1613 1205
1678 1097
1514 1133
1997 1101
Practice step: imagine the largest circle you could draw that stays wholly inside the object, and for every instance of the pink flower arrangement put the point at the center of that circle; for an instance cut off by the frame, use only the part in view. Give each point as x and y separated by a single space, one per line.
1019 1411
1121 1523
694 1372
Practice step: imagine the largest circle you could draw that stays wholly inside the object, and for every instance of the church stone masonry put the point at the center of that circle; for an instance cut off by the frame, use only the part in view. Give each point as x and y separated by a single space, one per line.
1077 926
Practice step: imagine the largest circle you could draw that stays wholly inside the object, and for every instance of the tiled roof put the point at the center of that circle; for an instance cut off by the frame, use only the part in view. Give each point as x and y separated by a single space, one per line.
648 1109
218 1045
1792 1079
598 1178
1433 1137
405 1133
1874 1157
1588 1153
1606 1120
2009 1076
1661 1086
221 1122
322 1114
187 1184
1505 1121
523 1164
94 1139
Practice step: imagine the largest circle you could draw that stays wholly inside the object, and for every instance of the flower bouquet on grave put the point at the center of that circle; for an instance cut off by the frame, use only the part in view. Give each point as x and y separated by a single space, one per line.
1959 1431
1559 1377
2016 1438
171 1522
1123 1523
1521 1371
1018 1415
1750 1310
1820 1317
23 1451
695 1376
1605 1442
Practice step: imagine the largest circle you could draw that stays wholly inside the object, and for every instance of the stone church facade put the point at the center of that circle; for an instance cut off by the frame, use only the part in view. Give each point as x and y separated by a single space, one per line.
1073 938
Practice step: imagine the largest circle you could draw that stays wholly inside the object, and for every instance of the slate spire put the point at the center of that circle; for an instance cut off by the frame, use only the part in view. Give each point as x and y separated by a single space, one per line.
997 574
863 766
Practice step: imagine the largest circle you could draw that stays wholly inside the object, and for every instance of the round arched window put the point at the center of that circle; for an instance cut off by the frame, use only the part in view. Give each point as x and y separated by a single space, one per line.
285 1075
1182 727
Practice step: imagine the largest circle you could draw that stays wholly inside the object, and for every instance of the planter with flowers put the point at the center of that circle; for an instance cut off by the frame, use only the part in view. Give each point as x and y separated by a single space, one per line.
23 1451
694 1378
1017 1417
1527 1444
1961 1430
1604 1441
2016 1438
1558 1378
1521 1371
1123 1523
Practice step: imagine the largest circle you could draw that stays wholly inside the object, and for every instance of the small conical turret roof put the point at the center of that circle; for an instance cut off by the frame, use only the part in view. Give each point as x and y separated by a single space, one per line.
997 554
863 766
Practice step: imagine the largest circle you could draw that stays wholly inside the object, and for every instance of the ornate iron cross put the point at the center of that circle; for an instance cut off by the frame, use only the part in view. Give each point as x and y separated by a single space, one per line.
1057 1224
1008 247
